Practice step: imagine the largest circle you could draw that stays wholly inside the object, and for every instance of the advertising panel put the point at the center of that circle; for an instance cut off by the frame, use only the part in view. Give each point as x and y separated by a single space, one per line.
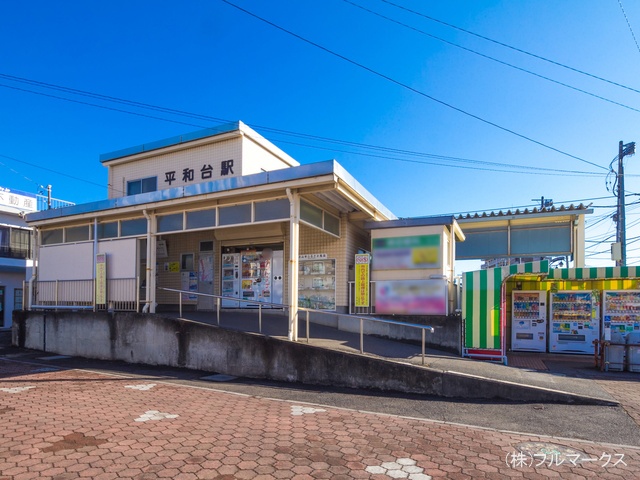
404 253
362 280
411 297
17 201
101 279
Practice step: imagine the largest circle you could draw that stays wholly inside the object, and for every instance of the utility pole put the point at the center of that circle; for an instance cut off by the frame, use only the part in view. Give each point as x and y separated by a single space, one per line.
621 230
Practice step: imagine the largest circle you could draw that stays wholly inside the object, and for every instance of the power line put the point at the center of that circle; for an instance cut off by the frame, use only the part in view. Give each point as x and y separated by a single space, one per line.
408 87
172 111
530 170
51 170
629 25
493 59
539 57
132 103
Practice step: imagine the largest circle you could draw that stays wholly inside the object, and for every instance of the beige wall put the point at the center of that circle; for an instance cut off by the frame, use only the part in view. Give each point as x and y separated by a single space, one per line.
248 157
342 249
194 158
256 158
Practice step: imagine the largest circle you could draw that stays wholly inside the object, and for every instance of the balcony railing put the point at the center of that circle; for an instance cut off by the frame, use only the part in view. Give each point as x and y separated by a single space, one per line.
13 252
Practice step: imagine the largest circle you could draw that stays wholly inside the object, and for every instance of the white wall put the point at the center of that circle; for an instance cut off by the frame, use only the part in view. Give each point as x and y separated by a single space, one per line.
70 261
121 257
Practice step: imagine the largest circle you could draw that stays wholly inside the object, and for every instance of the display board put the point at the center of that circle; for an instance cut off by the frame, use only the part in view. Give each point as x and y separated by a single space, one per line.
317 284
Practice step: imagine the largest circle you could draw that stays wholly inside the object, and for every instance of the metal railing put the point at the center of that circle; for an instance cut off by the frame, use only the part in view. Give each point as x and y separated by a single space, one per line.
308 311
371 309
218 302
122 295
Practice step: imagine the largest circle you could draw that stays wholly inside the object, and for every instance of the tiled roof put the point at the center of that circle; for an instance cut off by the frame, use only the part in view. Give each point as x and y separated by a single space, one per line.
509 213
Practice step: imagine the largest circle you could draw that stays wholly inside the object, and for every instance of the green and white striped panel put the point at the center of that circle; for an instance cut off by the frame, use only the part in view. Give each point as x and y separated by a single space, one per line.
600 273
481 302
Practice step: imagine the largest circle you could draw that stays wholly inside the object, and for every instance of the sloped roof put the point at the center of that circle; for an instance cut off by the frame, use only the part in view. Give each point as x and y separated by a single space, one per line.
578 209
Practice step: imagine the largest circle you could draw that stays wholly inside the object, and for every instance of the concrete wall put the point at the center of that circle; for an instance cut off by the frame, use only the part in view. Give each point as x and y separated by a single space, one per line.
158 340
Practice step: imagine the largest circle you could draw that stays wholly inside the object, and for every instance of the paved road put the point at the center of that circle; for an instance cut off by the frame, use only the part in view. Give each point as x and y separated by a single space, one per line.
108 420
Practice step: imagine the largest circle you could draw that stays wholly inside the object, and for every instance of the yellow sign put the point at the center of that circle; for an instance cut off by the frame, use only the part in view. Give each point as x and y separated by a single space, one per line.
101 279
362 280
174 266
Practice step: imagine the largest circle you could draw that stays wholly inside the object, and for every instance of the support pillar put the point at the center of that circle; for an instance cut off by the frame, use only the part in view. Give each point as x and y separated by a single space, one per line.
294 252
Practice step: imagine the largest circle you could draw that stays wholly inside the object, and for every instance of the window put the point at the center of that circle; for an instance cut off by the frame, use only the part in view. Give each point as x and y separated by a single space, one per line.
310 213
272 210
15 242
107 230
76 234
144 185
17 299
136 226
319 218
201 218
235 214
50 237
169 223
206 246
186 261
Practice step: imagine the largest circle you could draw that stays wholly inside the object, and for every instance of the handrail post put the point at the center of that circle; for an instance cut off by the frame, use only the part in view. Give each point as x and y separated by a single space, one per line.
423 335
307 326
55 297
361 335
180 303
259 318
218 310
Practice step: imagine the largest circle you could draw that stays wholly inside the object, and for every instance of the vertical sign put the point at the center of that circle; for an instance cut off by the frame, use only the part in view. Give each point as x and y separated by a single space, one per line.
101 279
362 280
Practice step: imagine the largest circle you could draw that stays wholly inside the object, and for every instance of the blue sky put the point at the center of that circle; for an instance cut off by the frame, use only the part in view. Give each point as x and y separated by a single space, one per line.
388 90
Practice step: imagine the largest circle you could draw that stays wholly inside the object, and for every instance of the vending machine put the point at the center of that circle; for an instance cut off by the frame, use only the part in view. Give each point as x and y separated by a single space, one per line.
574 322
256 275
529 321
621 311
230 279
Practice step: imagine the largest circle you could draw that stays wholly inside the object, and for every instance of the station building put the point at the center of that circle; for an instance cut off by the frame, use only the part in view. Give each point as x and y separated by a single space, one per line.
221 211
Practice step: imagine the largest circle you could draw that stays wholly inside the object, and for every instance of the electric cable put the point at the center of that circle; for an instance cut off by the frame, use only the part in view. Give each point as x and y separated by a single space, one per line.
133 103
502 44
408 87
493 59
635 40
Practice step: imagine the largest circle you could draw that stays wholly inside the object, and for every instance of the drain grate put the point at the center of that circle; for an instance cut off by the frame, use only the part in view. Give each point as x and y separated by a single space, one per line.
219 377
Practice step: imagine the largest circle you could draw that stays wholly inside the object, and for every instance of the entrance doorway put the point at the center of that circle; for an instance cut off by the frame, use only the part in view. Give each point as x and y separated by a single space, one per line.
205 276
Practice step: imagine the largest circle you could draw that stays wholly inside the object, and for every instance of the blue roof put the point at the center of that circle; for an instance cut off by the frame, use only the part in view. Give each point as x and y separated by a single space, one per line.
264 178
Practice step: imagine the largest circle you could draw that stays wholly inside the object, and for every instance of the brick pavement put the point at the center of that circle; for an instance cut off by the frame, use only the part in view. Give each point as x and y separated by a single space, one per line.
626 391
64 424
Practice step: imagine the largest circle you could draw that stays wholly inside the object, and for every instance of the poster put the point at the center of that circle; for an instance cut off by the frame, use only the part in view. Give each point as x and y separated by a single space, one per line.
189 281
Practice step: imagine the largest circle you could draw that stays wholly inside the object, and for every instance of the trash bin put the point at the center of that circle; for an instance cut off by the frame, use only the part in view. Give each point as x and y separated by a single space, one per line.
633 353
614 354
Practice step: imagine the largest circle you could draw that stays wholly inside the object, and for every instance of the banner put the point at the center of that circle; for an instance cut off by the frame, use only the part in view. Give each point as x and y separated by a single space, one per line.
362 280
101 279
